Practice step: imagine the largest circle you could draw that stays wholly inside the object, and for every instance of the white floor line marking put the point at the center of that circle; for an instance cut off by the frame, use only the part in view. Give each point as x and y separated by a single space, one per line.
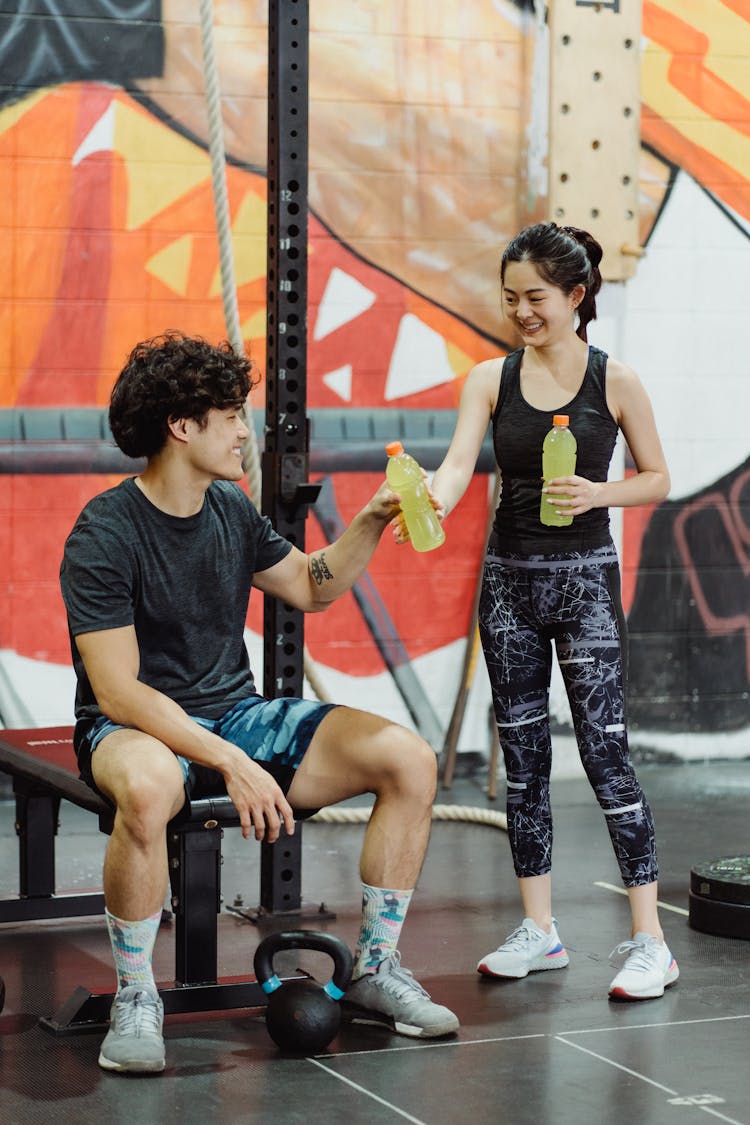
618 1066
644 1078
367 1093
561 1037
721 1116
425 1046
646 1026
663 905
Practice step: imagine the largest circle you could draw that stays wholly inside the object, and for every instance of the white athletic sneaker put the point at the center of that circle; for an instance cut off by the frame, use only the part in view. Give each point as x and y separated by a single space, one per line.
528 950
648 970
134 1041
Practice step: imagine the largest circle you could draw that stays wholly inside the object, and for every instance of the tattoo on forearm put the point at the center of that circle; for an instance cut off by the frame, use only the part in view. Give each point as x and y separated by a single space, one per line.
318 568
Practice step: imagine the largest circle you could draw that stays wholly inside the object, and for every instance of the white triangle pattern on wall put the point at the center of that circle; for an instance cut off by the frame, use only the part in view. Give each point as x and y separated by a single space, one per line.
344 299
419 360
100 137
340 381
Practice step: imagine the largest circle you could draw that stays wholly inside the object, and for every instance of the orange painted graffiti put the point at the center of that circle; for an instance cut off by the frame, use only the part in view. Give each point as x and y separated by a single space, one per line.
696 92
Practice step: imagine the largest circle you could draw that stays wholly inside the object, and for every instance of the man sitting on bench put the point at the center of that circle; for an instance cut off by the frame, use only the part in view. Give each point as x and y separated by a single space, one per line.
156 577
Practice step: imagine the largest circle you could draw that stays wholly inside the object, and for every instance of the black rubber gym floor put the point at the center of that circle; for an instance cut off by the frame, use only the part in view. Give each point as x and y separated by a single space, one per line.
550 1048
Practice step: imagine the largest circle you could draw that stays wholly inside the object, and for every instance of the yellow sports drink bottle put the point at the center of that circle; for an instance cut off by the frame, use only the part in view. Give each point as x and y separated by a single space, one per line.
558 460
405 478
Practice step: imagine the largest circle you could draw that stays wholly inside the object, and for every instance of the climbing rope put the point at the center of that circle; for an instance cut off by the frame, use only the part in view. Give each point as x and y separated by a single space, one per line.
489 817
217 154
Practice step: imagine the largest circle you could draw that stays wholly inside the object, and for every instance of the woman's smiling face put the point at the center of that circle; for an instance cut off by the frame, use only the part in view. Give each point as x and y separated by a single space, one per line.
541 311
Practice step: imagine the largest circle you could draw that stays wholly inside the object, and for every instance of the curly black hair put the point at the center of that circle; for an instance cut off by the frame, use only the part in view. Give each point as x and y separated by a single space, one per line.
174 376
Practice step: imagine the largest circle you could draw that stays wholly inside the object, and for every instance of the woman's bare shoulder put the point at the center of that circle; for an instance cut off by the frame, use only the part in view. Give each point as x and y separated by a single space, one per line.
483 381
620 372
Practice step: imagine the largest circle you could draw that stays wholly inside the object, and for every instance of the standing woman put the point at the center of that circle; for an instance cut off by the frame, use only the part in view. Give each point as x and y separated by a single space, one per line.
561 584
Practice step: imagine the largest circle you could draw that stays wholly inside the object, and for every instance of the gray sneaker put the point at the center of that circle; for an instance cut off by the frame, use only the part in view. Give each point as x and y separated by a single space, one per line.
134 1041
391 996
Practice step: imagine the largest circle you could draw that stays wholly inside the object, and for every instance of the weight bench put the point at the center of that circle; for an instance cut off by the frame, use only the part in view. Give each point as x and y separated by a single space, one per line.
42 765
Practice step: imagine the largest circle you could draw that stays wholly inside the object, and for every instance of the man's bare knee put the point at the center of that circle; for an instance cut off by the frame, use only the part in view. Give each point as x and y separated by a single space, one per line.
146 793
411 769
145 806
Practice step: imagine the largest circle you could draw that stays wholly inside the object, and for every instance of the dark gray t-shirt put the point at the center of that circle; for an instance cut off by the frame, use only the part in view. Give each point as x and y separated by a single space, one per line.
184 584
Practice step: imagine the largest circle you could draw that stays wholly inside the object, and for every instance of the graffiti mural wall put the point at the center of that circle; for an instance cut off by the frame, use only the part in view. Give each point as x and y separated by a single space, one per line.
418 139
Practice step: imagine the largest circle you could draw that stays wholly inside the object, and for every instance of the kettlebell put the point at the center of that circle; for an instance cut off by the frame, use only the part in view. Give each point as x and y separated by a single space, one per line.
302 1016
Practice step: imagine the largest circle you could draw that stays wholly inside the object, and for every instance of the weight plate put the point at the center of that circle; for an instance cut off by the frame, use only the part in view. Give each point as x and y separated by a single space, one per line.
726 879
724 919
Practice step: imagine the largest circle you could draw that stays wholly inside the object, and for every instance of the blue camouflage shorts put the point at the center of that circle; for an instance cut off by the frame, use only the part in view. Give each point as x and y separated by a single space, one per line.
275 733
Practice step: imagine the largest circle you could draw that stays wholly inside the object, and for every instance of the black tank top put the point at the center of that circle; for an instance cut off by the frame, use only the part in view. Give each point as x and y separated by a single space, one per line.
518 431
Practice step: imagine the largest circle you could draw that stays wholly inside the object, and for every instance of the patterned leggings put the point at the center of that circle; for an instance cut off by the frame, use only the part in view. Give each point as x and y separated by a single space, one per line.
572 599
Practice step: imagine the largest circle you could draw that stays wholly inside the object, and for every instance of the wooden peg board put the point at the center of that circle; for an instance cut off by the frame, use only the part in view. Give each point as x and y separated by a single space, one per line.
594 125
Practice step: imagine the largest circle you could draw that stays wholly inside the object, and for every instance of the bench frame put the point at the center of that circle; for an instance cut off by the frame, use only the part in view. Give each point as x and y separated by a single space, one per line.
194 850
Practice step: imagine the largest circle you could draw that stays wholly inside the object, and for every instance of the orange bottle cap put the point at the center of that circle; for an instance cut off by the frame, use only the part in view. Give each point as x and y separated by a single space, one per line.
394 448
560 419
